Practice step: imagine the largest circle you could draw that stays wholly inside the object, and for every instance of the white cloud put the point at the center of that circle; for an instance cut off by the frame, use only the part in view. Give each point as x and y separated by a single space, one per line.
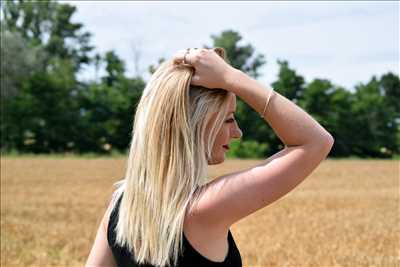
345 42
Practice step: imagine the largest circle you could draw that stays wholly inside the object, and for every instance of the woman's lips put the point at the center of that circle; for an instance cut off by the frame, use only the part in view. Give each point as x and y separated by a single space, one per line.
226 147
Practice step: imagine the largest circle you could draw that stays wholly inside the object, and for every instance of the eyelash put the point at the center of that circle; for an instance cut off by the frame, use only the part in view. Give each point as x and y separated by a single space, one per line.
230 120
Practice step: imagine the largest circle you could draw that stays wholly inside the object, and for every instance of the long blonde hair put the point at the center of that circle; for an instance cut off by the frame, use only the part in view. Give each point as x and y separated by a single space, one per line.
167 162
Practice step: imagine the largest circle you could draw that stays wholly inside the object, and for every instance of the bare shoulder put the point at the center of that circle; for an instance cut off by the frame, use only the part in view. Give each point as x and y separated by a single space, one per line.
107 213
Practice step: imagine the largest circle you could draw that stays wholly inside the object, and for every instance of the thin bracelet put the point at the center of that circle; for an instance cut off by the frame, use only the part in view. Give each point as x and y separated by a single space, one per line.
266 104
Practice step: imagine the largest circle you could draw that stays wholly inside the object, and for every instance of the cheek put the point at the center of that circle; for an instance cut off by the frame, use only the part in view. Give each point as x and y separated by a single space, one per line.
223 139
227 133
223 136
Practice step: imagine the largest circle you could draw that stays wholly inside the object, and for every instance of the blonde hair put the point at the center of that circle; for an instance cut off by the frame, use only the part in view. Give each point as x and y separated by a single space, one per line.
167 162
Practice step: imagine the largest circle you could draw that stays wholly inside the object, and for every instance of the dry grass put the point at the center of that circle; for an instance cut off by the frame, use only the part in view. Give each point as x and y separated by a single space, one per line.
346 213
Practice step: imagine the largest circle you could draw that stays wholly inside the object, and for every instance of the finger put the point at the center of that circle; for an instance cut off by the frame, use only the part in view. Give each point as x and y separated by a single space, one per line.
183 56
178 57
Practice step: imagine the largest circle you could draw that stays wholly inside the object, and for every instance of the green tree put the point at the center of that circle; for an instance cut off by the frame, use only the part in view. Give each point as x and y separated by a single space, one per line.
390 85
390 88
42 116
373 122
339 120
48 24
43 52
289 83
115 68
19 60
240 56
316 100
107 108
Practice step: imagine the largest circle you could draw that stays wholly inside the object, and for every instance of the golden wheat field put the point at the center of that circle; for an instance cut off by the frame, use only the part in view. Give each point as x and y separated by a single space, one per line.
346 213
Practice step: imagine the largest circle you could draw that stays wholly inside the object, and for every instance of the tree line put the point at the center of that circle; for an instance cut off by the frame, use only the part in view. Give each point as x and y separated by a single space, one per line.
45 108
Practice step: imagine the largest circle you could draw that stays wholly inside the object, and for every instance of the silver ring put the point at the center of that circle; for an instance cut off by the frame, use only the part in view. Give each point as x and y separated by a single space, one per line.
184 57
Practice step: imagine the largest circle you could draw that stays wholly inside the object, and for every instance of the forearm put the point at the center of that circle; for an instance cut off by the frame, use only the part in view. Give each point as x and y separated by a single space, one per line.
291 123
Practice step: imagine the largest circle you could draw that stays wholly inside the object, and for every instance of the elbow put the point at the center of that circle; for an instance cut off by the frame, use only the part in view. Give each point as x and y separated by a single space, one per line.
327 143
323 144
328 139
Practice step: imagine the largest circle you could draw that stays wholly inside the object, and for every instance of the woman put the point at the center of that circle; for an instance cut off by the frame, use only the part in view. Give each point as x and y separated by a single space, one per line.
165 212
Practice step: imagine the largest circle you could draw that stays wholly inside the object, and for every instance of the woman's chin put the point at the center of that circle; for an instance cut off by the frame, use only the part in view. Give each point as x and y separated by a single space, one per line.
218 160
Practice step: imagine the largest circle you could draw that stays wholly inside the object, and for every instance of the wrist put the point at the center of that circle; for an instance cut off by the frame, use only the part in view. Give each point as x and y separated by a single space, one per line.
231 78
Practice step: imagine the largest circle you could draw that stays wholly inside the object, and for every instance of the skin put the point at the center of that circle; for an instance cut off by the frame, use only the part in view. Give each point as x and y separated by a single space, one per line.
229 130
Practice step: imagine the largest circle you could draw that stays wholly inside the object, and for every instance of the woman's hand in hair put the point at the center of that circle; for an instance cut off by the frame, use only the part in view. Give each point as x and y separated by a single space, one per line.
211 70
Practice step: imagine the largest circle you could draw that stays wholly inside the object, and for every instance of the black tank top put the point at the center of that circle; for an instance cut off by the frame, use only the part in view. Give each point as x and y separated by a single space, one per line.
190 257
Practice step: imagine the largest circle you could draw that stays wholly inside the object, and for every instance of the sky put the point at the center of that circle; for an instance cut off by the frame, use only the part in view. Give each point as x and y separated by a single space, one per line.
345 42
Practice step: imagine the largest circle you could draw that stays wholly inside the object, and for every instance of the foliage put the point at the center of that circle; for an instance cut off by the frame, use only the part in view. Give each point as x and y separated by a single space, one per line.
246 149
45 109
48 24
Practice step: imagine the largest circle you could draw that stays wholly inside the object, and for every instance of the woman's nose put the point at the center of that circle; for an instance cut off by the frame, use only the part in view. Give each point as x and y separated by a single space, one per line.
237 133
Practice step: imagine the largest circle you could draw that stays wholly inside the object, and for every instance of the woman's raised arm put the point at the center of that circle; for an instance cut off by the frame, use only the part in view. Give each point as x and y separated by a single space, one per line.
231 197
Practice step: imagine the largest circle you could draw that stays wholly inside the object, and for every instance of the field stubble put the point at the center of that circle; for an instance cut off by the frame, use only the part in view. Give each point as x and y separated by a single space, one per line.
346 213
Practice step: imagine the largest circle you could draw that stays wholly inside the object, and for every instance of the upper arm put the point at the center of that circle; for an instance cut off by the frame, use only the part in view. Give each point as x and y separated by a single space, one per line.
231 197
100 254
